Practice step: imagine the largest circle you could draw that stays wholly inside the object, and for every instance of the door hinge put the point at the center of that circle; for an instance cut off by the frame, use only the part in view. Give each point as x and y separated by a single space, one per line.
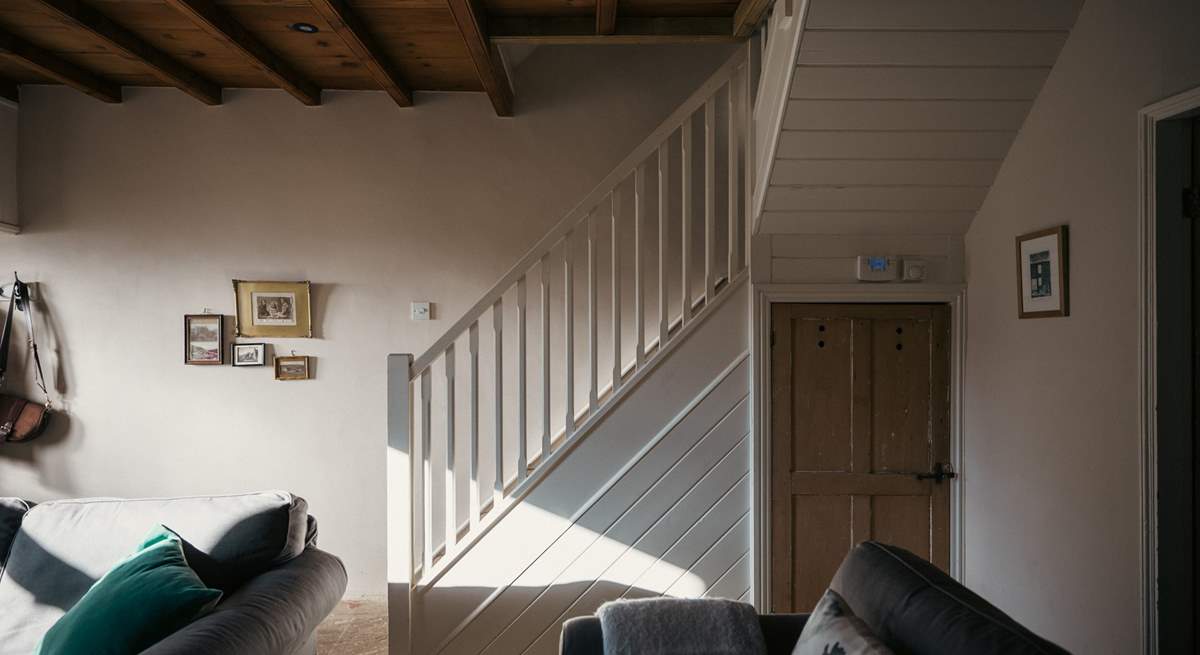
1191 202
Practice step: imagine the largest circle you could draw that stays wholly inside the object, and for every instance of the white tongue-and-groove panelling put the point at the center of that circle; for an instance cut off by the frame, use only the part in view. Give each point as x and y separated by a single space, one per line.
655 501
896 120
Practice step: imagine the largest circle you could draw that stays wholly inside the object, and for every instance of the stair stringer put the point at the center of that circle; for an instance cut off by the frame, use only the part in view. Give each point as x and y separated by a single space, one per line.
653 500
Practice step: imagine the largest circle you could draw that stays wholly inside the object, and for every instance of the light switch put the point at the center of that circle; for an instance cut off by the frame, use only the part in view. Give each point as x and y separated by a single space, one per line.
421 311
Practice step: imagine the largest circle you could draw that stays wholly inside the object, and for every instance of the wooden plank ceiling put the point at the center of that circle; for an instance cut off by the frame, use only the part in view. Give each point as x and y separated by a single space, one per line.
397 46
900 113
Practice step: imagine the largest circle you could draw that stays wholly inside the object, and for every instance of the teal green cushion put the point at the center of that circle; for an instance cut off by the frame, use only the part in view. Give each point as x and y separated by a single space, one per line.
144 598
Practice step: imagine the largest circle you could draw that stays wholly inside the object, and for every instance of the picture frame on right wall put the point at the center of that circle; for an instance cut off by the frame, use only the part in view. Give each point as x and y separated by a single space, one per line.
1043 283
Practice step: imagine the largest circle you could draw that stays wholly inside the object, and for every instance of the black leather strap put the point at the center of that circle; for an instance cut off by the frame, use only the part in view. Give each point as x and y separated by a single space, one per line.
7 335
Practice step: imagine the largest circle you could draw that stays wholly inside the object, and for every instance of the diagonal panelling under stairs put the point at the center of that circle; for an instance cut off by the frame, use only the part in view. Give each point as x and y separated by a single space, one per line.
654 501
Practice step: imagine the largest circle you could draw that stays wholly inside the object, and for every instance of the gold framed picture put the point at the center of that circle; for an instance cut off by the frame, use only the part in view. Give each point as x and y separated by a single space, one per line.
273 309
204 339
1042 274
293 367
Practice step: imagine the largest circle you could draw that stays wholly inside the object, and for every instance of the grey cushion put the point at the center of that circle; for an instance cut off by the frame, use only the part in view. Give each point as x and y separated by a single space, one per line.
64 546
661 626
916 609
273 614
584 635
12 510
833 628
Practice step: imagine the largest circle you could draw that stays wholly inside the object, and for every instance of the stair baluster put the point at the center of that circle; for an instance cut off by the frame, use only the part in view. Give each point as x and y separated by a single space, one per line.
731 87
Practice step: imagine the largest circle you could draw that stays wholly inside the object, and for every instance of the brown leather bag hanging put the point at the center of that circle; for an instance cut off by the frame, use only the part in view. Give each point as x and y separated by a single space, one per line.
21 420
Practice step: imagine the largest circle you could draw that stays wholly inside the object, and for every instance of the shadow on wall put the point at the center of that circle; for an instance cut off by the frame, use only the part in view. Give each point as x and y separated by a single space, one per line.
546 80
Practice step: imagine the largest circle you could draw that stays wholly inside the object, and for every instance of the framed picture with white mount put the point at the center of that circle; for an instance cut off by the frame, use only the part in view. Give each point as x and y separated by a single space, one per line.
249 354
1043 283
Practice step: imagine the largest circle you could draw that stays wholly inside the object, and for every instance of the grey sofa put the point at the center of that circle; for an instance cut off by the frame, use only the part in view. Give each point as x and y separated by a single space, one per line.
278 585
911 605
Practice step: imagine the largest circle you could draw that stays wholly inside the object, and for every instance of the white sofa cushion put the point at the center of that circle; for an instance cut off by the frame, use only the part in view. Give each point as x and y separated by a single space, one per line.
64 546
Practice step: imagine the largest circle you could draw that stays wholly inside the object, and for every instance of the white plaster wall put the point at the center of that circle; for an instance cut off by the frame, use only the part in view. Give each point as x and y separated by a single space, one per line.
8 164
136 214
1051 470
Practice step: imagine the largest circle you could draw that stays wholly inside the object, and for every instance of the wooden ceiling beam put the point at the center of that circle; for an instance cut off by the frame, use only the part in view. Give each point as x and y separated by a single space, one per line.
469 17
129 44
358 38
44 63
580 30
606 16
748 15
10 91
219 24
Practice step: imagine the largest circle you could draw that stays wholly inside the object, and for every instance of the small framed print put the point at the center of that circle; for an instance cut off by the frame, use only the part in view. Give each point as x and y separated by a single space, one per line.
273 309
249 354
204 339
1042 274
293 367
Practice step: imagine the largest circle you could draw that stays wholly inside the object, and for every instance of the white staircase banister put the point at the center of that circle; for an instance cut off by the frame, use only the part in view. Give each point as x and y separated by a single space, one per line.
648 147
601 221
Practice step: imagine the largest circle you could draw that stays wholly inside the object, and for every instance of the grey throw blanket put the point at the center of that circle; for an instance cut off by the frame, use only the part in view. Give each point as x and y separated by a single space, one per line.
677 626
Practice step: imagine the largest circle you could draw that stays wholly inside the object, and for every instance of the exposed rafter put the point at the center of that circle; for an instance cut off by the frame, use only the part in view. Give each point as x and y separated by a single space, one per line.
10 91
748 15
606 16
215 21
470 19
358 38
44 63
580 30
129 44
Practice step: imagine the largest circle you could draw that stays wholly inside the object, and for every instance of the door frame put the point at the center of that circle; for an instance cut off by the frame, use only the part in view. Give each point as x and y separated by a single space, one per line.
762 297
1148 119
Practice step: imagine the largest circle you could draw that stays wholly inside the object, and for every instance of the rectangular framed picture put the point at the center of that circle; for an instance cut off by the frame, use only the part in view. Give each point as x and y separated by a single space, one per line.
1042 274
293 367
249 354
204 339
273 309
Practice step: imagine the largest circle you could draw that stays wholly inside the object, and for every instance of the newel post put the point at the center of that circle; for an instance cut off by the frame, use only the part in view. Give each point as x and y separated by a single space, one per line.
399 458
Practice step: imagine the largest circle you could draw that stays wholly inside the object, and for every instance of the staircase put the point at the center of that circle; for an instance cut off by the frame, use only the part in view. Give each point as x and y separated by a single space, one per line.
550 354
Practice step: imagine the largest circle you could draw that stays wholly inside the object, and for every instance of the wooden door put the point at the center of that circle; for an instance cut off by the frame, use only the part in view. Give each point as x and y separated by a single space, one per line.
860 408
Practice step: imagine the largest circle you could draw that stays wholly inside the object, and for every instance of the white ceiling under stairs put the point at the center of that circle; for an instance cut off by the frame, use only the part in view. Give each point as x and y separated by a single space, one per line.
899 114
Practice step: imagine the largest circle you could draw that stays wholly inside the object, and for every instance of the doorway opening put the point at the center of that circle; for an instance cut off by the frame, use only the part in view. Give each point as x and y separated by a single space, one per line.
1176 464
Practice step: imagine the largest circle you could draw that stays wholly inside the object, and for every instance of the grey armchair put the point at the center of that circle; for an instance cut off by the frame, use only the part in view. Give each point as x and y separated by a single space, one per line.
278 585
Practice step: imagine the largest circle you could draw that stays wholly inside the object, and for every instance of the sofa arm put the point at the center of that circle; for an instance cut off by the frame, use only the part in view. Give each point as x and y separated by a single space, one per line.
272 614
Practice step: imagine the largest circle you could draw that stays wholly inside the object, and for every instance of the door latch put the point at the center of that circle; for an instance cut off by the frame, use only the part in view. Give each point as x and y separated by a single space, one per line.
940 472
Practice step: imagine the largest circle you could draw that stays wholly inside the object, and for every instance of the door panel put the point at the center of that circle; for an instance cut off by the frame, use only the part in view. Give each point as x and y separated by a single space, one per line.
819 549
860 406
820 405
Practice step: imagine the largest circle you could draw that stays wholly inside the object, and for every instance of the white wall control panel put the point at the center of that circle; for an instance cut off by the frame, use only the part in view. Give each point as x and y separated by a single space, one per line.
421 311
878 268
915 270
